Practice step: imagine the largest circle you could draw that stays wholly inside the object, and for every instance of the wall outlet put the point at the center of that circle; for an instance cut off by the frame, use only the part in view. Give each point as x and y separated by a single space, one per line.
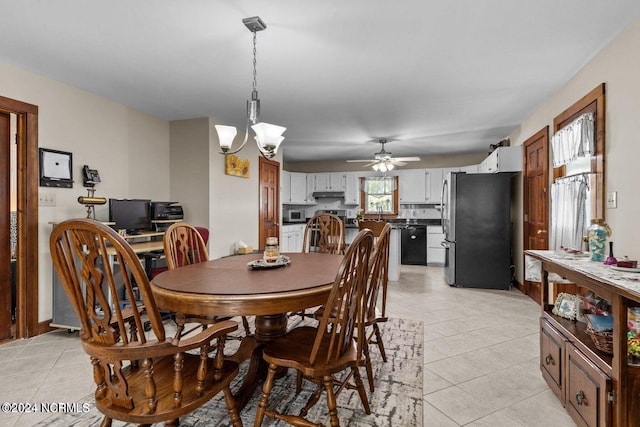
612 200
47 199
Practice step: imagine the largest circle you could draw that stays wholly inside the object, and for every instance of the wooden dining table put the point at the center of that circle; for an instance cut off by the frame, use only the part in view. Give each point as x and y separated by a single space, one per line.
229 287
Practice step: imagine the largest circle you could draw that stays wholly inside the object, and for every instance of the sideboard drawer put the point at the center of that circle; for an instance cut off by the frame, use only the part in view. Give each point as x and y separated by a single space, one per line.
552 349
588 391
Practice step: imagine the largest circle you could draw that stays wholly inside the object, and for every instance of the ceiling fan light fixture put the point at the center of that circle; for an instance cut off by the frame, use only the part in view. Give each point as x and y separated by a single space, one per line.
268 137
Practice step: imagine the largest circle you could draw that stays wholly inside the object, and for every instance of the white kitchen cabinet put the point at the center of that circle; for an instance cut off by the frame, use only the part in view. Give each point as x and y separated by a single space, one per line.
311 187
420 185
412 184
329 181
291 238
433 185
394 255
350 233
298 188
503 159
470 169
435 251
352 188
285 183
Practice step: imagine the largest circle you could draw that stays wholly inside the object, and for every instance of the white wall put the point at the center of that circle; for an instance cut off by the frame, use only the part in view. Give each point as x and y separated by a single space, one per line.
235 201
228 205
130 149
618 66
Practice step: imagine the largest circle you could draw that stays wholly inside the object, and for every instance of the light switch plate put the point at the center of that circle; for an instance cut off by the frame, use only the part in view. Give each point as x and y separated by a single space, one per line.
612 200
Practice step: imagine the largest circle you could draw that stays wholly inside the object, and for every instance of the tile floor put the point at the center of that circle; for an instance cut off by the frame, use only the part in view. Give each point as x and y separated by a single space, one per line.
480 358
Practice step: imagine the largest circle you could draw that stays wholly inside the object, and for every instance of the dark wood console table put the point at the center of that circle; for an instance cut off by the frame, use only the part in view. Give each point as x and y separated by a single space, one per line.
597 389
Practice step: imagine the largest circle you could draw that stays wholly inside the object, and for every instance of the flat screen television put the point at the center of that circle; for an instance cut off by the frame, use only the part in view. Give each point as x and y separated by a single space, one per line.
130 214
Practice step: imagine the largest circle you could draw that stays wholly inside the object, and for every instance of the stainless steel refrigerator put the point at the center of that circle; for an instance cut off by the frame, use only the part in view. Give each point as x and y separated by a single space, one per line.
476 222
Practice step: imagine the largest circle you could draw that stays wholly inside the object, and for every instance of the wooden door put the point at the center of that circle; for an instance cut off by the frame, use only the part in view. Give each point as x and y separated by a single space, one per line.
536 200
269 200
27 216
5 249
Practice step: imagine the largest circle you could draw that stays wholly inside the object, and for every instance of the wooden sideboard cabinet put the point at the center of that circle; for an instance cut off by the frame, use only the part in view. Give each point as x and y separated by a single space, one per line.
596 388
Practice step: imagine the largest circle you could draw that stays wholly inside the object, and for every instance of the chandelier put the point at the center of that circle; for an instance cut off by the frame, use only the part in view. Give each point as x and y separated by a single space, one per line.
268 137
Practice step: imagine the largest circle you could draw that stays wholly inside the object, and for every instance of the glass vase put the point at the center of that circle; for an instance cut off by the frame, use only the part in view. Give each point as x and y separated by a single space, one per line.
598 233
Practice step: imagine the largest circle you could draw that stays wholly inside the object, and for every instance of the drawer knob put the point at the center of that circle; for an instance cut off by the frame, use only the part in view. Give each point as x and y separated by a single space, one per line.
548 360
580 397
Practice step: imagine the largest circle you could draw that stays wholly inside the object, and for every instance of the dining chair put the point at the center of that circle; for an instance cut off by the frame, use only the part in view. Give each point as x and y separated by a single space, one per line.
323 233
378 279
140 378
332 346
184 245
375 226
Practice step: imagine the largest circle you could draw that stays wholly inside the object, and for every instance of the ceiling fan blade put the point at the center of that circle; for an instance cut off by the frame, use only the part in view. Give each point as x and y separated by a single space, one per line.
407 159
397 163
358 161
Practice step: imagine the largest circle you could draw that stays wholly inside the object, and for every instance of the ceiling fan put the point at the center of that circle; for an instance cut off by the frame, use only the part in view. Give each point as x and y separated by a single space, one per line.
383 161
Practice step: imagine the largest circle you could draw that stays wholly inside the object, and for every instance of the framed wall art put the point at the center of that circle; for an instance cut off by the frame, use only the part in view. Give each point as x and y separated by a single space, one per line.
56 168
236 166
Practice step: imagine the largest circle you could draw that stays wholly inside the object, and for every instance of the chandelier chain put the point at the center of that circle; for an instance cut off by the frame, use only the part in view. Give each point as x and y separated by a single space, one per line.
255 84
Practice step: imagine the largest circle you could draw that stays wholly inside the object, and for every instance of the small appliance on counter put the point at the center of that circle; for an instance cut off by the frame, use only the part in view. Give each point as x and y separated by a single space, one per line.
296 215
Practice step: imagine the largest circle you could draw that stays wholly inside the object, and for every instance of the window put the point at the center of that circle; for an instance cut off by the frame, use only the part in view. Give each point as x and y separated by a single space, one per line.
379 195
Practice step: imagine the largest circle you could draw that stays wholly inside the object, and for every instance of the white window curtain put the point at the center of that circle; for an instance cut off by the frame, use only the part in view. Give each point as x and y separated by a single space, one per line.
574 140
568 212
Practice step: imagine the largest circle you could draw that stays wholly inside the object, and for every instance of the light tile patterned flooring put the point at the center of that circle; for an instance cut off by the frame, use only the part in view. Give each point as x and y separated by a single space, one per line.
480 358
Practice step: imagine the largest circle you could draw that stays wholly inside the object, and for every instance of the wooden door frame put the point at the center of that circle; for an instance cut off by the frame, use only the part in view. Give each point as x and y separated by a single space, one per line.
544 135
27 205
261 233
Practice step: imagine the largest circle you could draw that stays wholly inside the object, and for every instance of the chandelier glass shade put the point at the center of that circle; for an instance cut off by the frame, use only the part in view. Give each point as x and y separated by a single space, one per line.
268 137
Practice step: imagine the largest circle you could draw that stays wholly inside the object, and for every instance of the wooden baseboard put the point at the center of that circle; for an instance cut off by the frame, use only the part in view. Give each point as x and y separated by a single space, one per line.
519 286
44 327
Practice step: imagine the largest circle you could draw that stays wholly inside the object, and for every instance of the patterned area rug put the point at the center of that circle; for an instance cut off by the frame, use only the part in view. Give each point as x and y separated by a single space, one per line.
396 401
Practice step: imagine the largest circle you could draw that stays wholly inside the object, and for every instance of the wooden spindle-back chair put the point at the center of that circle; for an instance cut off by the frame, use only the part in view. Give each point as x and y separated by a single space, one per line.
139 378
333 346
184 245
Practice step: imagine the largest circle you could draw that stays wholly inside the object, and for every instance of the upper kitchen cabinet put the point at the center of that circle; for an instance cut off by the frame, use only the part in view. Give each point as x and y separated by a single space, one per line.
332 181
352 188
503 159
299 188
420 186
285 183
294 188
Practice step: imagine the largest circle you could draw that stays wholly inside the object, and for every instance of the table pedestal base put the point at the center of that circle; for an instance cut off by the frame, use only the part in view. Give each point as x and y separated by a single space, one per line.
267 327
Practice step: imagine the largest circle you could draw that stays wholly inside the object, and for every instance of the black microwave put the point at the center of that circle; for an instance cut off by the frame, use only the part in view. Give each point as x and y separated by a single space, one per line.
296 215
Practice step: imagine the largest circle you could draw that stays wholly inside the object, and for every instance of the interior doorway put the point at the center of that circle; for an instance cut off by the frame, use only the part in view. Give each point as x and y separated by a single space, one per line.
536 200
269 223
19 124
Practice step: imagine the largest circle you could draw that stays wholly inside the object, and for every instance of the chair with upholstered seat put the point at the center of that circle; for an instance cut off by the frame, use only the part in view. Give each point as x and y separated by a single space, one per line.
139 378
320 352
184 245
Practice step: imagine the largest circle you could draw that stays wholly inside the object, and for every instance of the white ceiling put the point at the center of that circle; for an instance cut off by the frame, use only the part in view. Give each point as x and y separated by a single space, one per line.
436 76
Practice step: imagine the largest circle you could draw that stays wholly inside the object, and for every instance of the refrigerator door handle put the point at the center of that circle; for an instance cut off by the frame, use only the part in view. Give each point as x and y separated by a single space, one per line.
445 184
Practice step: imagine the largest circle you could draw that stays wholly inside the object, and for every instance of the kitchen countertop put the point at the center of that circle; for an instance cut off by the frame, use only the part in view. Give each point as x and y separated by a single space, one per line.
401 222
395 222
